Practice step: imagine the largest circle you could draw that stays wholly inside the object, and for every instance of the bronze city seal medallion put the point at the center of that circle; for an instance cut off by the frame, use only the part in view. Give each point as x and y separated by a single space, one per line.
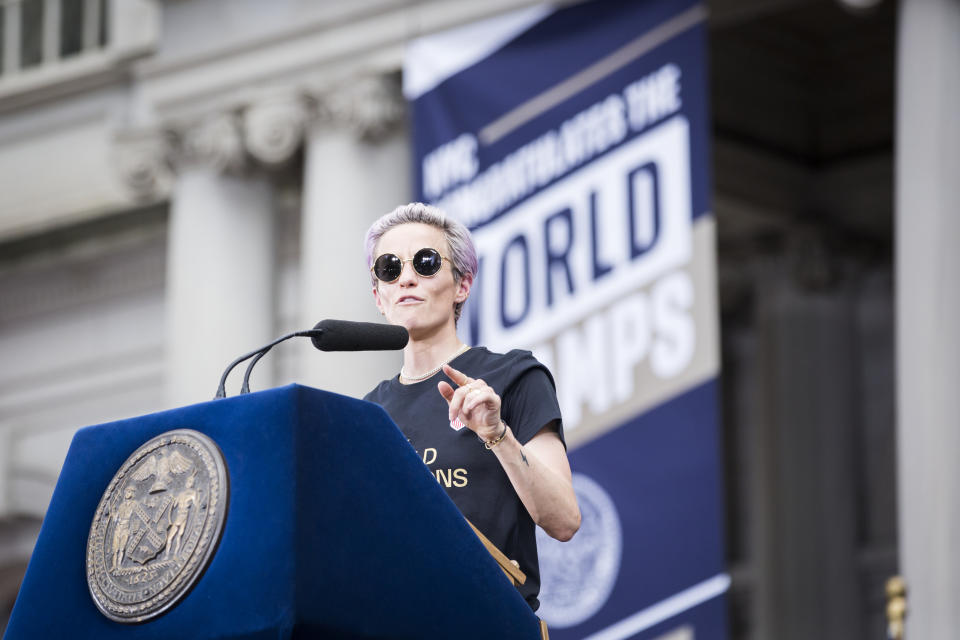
157 526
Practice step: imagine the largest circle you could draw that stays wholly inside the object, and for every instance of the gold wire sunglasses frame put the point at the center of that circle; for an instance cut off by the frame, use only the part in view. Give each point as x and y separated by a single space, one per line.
427 262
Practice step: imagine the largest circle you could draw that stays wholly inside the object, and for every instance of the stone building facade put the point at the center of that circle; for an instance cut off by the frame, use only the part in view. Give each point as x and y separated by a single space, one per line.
183 180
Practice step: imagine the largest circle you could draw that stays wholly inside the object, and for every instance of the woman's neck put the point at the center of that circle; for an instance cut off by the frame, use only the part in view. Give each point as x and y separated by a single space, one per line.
426 354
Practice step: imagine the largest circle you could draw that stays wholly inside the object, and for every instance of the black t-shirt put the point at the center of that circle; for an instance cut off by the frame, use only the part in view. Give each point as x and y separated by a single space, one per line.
470 474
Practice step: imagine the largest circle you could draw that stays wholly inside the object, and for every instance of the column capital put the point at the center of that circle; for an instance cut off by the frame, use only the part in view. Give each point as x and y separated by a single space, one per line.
215 140
148 158
274 127
371 106
265 132
142 157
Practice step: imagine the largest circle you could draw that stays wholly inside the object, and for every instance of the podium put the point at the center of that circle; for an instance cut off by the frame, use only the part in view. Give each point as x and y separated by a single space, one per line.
335 529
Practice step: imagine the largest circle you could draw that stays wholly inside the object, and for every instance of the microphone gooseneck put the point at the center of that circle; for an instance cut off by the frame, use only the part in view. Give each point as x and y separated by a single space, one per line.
222 389
327 335
245 388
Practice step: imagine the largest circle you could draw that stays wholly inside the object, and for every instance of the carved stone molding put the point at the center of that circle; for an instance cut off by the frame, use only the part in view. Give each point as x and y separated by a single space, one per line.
267 132
371 106
215 141
274 128
143 159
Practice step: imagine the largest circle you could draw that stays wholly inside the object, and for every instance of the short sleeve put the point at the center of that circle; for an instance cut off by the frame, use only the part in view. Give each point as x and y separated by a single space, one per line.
529 403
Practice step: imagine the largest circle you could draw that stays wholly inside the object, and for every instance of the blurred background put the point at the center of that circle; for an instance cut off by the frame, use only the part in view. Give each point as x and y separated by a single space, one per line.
182 180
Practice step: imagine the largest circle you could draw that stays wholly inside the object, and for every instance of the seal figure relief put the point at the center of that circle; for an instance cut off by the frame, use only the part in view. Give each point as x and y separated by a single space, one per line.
157 526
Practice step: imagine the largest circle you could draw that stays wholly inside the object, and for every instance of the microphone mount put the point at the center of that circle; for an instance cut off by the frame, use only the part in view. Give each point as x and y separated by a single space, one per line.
257 354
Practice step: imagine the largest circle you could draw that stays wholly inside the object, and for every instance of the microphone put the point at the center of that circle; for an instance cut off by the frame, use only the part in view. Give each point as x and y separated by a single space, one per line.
327 335
344 335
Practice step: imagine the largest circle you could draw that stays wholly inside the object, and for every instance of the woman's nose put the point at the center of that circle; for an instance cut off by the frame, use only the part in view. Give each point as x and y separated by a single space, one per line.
408 274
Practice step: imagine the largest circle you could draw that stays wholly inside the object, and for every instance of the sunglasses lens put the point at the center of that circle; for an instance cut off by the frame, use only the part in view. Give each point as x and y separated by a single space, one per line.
387 267
427 262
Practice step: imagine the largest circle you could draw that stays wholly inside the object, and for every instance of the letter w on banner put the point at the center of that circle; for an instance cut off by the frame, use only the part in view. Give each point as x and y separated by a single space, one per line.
574 144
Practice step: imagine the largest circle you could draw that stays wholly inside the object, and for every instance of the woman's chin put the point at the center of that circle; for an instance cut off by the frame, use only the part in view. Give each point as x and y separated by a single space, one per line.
417 328
407 322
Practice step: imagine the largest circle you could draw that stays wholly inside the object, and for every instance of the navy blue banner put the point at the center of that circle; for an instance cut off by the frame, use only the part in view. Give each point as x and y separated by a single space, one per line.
574 144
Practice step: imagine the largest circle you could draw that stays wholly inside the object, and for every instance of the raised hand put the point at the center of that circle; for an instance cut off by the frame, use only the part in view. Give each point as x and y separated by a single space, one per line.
473 402
538 470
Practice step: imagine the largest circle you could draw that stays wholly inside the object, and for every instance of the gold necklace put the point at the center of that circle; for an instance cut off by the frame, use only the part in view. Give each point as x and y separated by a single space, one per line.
403 375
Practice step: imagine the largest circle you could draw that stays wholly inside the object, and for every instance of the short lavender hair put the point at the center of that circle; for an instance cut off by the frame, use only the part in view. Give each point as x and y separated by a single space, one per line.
463 253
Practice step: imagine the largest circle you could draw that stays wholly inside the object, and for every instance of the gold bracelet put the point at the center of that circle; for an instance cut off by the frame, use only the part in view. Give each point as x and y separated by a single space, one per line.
490 444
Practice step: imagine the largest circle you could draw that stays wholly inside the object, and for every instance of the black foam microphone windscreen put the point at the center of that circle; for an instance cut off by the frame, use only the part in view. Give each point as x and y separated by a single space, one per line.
345 335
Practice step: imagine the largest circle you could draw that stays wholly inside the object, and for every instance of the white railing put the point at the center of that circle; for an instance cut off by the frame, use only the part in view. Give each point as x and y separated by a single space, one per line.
54 29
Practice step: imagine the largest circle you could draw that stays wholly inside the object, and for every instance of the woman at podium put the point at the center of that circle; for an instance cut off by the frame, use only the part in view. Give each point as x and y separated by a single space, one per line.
486 424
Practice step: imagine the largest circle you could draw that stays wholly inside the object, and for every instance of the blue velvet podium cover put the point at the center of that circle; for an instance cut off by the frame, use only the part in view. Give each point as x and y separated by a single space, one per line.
335 529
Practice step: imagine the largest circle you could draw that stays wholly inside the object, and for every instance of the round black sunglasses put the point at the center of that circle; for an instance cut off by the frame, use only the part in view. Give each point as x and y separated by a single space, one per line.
426 262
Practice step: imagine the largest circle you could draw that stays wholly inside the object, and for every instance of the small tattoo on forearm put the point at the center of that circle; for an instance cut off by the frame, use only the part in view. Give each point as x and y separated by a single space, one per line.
524 458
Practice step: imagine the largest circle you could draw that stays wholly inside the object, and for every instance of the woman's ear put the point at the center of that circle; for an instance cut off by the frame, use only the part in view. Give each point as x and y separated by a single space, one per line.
463 288
376 298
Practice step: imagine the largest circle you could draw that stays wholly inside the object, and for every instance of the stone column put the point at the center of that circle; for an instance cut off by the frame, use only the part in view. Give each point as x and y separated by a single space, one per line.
357 167
219 262
805 490
928 313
